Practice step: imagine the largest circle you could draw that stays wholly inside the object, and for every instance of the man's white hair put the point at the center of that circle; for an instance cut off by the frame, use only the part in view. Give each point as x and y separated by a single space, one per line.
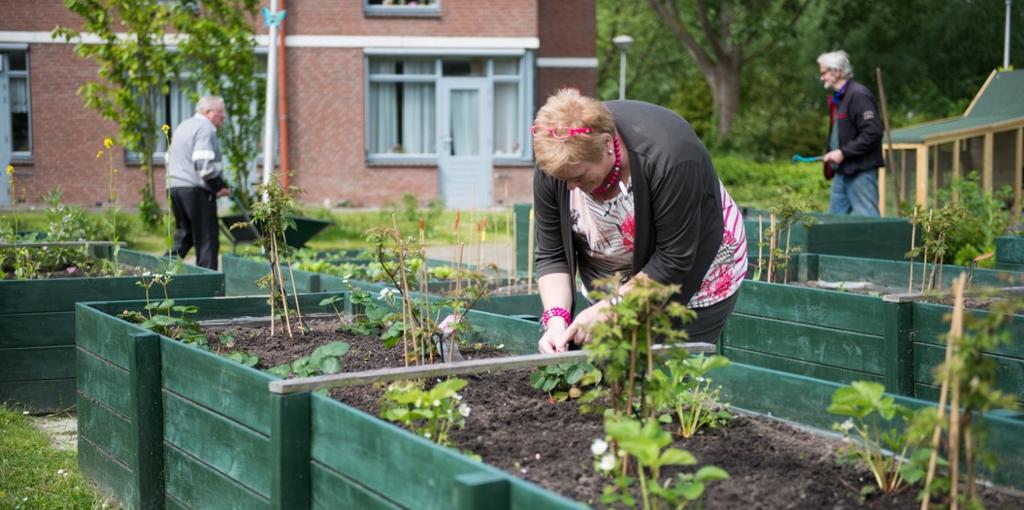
207 103
838 60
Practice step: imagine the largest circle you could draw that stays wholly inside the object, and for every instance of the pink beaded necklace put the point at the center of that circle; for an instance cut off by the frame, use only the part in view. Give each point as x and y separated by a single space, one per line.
613 176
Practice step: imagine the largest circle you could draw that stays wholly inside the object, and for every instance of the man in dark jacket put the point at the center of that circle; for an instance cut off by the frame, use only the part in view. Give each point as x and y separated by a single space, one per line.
854 139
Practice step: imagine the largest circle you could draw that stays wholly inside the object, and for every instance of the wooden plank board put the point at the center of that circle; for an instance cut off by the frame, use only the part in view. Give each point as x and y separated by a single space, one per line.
106 429
234 390
447 369
825 308
111 476
231 449
37 329
40 396
1009 375
194 484
342 434
103 335
805 342
103 381
331 491
35 363
61 294
930 327
816 370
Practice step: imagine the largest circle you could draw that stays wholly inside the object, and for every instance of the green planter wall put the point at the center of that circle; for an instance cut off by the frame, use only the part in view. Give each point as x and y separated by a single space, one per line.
842 336
854 236
37 332
1010 253
163 424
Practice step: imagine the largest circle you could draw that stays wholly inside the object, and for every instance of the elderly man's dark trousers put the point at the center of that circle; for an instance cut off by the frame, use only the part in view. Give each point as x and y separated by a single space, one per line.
195 216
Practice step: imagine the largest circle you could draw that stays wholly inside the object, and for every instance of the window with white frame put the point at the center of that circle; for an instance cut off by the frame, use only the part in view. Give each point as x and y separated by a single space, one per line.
401 105
402 7
20 101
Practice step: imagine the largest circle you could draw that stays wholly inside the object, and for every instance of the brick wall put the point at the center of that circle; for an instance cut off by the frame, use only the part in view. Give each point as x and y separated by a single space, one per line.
66 136
492 18
325 100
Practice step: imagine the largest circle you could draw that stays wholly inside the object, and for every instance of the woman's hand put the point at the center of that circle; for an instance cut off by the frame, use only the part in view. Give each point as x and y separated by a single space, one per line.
579 331
549 343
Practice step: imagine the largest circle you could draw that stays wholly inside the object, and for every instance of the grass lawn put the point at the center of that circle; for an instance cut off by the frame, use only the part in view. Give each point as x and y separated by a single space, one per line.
35 475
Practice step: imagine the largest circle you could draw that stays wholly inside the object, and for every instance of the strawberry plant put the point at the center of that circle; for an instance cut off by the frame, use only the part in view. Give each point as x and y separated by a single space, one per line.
431 413
564 380
325 359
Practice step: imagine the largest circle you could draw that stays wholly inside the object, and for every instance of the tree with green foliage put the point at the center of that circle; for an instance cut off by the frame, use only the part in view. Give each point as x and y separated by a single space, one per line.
132 70
220 53
722 36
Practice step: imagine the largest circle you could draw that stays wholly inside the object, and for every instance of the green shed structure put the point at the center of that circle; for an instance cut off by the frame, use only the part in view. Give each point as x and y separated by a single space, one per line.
987 138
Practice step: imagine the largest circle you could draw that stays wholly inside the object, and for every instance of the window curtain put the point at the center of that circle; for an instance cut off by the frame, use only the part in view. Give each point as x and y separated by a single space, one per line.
418 110
383 122
18 94
465 117
506 119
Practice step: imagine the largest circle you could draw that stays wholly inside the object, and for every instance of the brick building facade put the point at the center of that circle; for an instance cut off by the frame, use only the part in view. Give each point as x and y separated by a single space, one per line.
433 100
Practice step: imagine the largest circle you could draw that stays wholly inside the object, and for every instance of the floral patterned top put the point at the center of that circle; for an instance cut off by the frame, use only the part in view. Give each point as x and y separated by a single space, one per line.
605 232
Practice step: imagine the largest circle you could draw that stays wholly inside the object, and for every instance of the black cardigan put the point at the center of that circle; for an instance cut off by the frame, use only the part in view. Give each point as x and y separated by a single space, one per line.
677 202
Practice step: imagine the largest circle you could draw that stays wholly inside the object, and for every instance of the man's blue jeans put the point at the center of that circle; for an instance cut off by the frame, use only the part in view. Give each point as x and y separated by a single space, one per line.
855 194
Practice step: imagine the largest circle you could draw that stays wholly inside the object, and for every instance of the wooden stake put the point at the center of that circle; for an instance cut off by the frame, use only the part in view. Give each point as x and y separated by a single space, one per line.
913 234
771 249
760 245
955 331
510 253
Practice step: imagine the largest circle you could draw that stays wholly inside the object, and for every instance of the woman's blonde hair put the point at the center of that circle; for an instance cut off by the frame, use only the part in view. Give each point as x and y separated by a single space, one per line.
567 108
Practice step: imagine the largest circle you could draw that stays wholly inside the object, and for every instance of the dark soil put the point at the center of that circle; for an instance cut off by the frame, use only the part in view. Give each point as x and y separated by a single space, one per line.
365 352
772 465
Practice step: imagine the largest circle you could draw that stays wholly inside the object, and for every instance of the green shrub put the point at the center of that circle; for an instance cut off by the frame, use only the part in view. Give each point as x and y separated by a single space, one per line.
755 184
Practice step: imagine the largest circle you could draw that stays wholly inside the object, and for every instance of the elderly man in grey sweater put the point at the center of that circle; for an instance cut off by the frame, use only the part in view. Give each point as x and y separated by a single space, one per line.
195 180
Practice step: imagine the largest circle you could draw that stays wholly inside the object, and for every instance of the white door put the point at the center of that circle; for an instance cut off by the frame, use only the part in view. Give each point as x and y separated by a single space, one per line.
5 131
465 142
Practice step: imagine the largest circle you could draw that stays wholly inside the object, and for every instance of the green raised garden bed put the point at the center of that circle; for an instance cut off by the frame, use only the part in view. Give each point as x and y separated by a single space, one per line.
1010 253
37 331
163 424
842 336
852 236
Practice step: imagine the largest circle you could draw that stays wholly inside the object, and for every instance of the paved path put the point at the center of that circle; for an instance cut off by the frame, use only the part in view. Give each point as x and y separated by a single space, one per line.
62 430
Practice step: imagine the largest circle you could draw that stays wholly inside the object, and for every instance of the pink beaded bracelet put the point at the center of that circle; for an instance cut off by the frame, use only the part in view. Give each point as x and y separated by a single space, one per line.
557 311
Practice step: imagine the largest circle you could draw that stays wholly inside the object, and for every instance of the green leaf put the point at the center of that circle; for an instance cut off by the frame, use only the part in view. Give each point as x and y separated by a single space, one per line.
690 491
676 457
330 365
710 474
575 374
283 370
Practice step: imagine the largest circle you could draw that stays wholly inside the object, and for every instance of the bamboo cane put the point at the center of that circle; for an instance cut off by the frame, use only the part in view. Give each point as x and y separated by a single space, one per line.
760 245
955 330
771 249
510 253
295 290
785 272
913 234
280 280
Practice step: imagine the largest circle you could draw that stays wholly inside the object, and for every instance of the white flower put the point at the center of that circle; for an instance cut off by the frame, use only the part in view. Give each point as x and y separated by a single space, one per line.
846 425
607 462
598 447
60 471
437 403
426 435
386 293
464 410
457 397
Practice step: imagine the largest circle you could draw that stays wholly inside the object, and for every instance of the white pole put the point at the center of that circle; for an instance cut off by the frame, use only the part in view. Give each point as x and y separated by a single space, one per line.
622 74
1006 43
269 116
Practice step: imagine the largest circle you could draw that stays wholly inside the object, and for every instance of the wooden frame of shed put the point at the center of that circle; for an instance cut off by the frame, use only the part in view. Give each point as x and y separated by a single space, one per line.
987 138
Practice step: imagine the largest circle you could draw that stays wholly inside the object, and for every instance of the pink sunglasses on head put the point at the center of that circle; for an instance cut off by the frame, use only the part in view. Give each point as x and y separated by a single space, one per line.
562 133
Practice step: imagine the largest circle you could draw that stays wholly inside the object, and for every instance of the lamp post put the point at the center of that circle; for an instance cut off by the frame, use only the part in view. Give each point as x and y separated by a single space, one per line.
622 42
1006 38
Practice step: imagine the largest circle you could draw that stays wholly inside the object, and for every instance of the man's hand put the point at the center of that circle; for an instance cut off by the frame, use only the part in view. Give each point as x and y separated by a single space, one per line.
835 157
223 192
